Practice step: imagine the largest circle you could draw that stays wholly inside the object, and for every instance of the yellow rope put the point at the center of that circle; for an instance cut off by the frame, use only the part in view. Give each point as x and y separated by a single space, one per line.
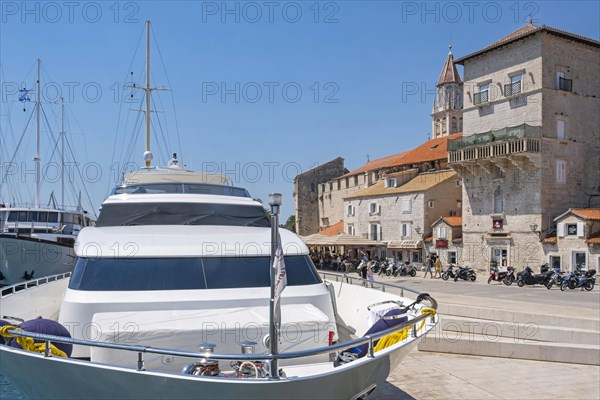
29 344
399 336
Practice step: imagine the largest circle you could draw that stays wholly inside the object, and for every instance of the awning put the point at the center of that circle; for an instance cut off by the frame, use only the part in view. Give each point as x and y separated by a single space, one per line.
405 244
340 240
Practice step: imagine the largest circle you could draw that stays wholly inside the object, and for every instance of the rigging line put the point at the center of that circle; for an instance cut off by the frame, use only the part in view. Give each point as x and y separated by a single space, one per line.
87 194
133 138
122 155
125 81
172 96
17 149
159 128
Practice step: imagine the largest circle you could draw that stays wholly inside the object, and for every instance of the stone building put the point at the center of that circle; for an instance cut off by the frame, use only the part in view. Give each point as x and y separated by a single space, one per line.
577 242
429 156
306 194
531 141
446 240
432 155
400 208
446 117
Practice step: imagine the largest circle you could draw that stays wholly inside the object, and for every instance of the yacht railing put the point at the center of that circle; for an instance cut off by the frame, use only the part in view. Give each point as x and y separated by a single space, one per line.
18 287
141 350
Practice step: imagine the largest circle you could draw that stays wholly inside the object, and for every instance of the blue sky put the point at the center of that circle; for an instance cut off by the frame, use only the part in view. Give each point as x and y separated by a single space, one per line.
261 90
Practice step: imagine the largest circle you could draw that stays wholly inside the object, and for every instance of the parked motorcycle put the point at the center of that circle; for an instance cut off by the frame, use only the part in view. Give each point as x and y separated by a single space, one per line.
555 279
405 269
574 280
449 272
499 274
527 277
465 273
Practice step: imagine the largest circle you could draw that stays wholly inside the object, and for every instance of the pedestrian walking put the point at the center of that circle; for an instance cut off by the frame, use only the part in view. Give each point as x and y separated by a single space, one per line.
438 267
370 275
429 267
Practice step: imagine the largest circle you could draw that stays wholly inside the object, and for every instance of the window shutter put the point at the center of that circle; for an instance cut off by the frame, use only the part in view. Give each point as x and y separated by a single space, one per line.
580 227
408 230
559 75
379 232
560 129
560 229
379 208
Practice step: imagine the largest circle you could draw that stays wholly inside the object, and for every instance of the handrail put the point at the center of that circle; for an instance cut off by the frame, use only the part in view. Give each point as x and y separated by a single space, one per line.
18 287
235 357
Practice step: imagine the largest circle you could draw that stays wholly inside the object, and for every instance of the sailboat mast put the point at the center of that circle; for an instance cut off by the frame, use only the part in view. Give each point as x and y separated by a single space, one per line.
62 153
148 156
37 158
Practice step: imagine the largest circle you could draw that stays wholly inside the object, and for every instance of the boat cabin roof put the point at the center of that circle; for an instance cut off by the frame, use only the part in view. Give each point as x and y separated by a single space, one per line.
165 241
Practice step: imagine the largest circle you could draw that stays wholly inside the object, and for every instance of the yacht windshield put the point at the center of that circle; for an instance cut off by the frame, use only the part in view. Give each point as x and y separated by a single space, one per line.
182 214
114 274
176 187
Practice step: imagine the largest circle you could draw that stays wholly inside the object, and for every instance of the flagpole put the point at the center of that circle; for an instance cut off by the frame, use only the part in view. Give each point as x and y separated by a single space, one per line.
274 307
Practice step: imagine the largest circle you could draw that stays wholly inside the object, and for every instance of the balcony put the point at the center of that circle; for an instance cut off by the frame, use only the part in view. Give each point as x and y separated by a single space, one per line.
481 97
565 84
512 89
504 142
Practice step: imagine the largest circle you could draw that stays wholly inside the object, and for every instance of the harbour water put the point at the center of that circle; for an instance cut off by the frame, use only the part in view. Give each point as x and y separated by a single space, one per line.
8 391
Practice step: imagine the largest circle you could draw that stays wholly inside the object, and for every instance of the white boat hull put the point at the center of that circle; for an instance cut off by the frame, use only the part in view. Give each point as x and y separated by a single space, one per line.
42 377
52 378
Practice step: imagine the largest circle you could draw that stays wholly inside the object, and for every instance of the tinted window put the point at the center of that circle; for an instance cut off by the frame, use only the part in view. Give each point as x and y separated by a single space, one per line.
52 217
182 214
12 216
194 188
113 274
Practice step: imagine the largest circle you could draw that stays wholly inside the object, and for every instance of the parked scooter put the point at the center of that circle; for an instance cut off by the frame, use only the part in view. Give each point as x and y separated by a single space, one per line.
555 279
585 280
499 274
465 273
449 272
526 277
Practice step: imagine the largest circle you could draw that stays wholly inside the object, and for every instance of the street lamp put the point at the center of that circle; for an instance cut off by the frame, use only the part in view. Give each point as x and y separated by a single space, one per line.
418 230
274 312
534 228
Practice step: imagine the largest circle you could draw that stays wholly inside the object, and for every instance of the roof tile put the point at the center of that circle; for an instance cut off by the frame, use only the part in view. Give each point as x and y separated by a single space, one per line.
419 183
334 229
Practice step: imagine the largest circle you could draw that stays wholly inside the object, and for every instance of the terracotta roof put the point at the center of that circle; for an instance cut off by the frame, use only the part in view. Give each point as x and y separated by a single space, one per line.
452 220
429 239
525 31
550 240
431 150
449 72
592 214
333 230
587 213
594 239
419 183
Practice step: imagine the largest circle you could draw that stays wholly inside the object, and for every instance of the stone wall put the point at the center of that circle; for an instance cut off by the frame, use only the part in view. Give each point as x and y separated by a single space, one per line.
306 189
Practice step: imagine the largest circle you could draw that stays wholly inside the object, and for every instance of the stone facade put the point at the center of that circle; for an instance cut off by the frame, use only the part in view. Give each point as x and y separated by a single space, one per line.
447 240
574 244
331 196
306 188
402 215
529 168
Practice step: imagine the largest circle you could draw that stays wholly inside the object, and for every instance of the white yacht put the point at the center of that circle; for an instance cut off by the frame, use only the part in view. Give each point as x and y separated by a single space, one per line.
170 298
37 242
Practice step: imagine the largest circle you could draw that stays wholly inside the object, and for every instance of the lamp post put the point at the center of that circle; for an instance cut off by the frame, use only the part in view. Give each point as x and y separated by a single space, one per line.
274 309
534 228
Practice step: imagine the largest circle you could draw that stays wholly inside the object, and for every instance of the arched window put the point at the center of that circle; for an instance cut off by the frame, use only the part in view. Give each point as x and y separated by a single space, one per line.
498 200
460 124
454 125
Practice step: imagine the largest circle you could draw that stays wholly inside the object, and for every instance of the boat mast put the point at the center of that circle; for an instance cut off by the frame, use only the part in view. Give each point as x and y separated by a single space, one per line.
148 153
37 158
62 153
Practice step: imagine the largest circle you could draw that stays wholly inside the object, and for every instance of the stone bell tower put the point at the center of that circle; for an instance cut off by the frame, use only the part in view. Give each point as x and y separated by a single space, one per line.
446 117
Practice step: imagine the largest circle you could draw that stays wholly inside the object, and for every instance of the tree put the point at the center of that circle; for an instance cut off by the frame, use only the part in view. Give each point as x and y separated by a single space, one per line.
290 223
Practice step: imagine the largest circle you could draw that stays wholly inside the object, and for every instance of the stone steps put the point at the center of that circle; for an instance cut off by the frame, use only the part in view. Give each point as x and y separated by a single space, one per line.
493 332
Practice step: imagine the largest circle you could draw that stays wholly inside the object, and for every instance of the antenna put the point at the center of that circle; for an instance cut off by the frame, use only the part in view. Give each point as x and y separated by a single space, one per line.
37 159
